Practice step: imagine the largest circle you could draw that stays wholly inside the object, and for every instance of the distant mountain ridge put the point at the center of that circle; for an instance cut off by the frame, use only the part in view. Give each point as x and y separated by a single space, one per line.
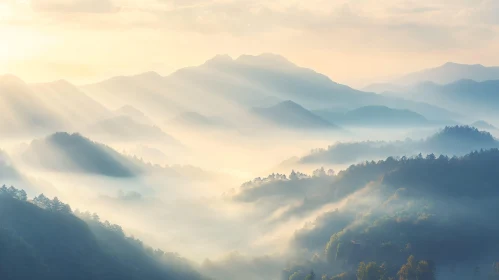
460 95
292 115
455 140
223 85
378 116
450 72
66 152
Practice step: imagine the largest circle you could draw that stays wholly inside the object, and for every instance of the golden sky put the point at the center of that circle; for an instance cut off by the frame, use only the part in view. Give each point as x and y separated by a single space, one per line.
352 41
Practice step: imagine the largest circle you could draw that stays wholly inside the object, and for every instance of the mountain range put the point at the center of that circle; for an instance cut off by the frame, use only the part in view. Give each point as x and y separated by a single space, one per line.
450 72
221 86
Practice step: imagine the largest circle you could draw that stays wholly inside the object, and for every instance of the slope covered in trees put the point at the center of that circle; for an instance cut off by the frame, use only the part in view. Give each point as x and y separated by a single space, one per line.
455 140
439 210
44 239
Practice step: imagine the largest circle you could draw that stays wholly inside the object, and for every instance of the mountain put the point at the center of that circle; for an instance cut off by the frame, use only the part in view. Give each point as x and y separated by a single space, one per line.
379 116
65 152
432 208
73 153
451 72
44 239
461 94
23 110
196 120
70 103
435 208
133 113
456 140
226 86
124 128
291 115
457 96
483 125
146 92
384 87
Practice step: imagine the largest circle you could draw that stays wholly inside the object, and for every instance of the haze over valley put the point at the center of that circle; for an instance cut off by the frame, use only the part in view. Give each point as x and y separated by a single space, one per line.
299 147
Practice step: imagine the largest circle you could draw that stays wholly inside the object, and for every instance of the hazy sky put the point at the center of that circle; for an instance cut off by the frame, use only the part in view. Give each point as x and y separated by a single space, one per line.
352 41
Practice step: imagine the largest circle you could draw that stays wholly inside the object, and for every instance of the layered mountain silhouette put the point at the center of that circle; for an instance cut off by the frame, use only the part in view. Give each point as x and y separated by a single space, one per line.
456 140
196 120
74 153
134 113
65 152
23 110
377 116
291 115
69 102
483 125
223 85
451 72
124 128
458 96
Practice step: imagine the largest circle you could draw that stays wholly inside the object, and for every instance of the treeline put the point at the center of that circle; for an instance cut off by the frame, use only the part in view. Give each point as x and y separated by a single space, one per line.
452 140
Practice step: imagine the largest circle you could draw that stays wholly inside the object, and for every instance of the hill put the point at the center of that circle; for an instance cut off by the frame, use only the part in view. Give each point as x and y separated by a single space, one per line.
125 128
449 73
196 120
483 125
146 92
43 239
74 153
377 116
291 115
23 111
437 209
461 94
133 113
70 103
456 140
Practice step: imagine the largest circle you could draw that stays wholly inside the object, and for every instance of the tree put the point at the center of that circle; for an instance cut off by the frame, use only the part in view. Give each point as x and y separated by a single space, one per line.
426 270
319 173
22 196
371 271
408 271
42 201
311 276
296 276
412 270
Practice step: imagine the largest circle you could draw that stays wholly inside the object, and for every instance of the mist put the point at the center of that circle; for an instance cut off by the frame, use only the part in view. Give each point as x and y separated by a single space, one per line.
251 168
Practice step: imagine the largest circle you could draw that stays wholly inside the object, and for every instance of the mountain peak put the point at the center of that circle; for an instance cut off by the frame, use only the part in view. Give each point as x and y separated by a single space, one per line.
149 74
288 104
11 79
219 59
455 64
265 59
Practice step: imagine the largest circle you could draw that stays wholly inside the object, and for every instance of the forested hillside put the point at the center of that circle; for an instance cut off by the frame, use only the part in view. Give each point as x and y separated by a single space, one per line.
44 239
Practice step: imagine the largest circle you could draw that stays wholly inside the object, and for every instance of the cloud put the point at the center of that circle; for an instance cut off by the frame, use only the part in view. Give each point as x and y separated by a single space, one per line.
74 6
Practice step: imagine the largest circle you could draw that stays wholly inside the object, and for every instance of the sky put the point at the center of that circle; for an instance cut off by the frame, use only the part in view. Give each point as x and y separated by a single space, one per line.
355 42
